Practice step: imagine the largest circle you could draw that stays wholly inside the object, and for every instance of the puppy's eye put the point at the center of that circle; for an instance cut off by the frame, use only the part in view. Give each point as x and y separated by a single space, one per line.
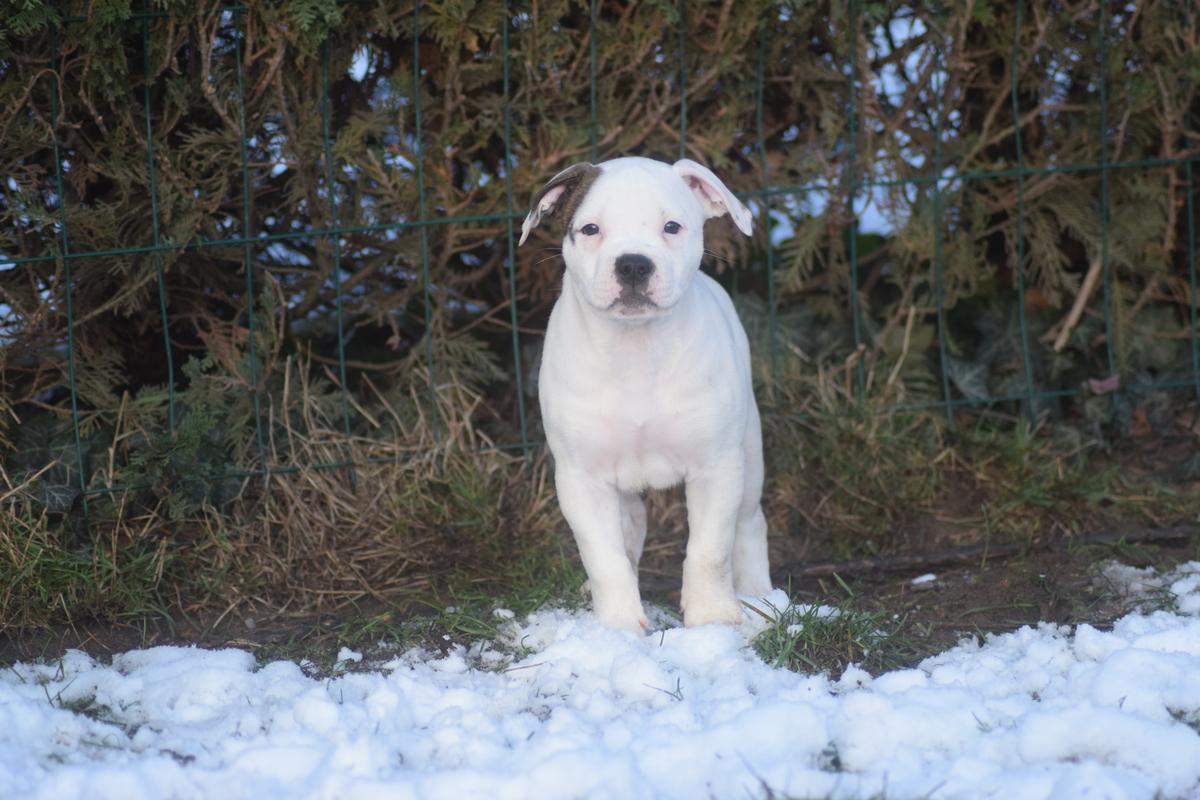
591 229
672 227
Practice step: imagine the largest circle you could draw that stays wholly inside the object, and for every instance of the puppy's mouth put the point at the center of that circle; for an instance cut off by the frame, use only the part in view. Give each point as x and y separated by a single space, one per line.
633 302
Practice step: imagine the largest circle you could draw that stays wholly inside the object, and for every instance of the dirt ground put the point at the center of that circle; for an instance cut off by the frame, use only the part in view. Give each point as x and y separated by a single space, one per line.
977 595
1013 528
1001 594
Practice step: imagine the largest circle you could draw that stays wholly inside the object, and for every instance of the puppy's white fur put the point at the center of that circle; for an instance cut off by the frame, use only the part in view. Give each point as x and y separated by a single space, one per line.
649 388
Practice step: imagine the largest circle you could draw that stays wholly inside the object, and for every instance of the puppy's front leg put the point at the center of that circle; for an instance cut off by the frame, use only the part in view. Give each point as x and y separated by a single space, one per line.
593 510
713 497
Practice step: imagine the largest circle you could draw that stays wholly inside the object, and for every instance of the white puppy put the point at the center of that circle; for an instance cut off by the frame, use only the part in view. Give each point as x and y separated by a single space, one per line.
645 383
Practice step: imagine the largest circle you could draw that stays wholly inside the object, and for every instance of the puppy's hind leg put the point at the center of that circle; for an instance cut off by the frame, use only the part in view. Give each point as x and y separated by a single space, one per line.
751 571
751 575
633 526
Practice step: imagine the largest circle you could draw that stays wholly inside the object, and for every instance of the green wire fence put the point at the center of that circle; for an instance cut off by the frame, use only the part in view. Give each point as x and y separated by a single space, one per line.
853 186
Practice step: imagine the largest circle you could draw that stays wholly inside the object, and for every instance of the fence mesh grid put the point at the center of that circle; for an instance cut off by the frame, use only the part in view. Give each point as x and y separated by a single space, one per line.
854 185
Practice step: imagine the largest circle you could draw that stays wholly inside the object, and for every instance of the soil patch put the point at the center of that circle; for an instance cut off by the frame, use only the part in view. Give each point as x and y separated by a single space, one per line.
987 595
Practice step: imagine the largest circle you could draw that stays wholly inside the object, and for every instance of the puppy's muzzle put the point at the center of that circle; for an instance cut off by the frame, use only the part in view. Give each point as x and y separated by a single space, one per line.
633 272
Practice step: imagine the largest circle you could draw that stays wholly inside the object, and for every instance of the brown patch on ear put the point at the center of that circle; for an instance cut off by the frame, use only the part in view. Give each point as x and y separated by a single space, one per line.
578 179
574 196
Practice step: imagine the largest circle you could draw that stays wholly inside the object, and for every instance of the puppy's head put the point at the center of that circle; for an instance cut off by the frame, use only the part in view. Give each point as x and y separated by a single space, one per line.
634 230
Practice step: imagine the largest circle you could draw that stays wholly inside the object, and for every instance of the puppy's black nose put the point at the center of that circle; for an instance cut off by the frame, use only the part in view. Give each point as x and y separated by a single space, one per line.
634 270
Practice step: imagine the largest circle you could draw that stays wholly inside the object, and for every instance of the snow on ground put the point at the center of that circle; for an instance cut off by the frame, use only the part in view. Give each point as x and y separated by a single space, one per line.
581 711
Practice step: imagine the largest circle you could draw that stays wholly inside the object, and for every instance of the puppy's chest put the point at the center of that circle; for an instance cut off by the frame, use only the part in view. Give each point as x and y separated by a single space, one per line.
649 439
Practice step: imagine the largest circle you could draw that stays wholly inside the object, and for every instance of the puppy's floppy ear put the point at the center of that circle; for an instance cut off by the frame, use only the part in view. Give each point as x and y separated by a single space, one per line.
561 196
714 198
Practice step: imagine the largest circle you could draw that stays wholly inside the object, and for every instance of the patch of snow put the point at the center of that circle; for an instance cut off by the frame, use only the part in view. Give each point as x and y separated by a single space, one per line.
1145 586
346 655
561 707
928 577
1186 590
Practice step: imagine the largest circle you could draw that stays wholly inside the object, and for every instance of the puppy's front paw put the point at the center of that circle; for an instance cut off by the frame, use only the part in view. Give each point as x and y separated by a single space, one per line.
623 616
717 608
636 623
